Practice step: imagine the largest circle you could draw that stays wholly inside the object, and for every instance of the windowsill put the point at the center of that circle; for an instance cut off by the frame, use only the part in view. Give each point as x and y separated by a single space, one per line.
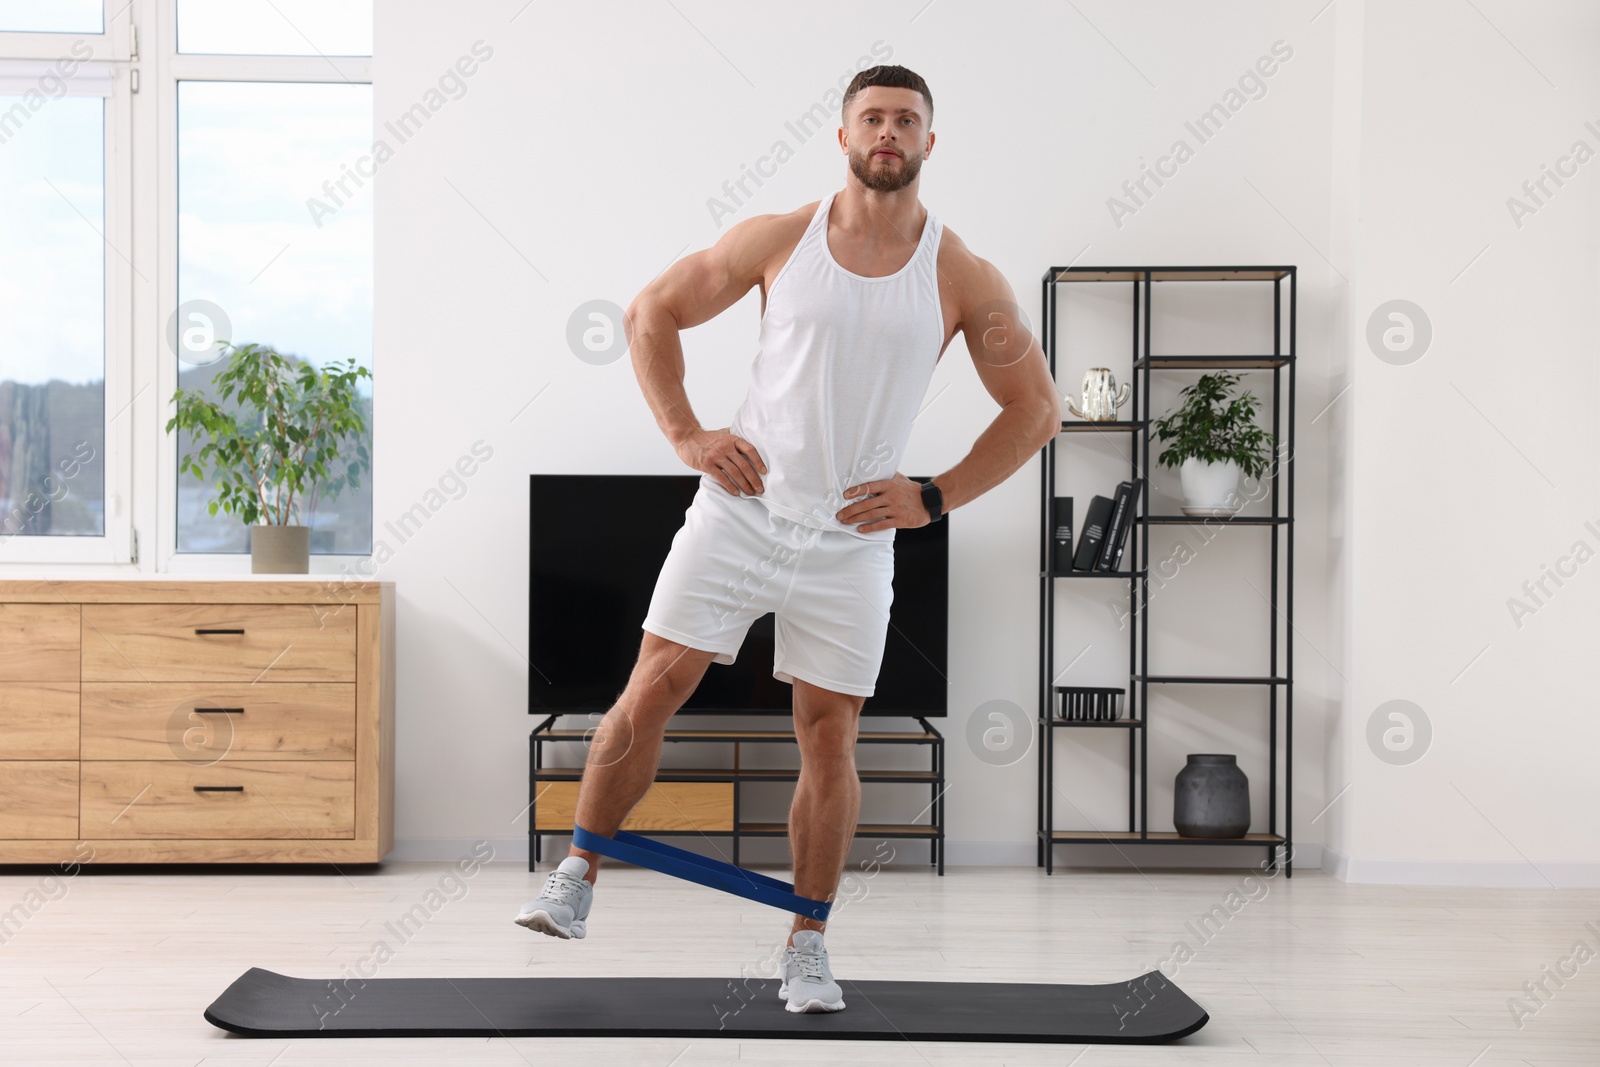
353 568
233 568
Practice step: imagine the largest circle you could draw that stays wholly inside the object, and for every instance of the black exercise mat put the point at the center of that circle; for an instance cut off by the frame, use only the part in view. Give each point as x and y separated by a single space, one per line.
260 1003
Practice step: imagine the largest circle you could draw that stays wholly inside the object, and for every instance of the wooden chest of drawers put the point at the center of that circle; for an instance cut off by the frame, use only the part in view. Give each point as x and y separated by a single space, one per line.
193 721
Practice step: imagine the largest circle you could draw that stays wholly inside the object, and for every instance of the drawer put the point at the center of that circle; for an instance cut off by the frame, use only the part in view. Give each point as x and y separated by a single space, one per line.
38 799
218 643
706 806
39 720
39 642
167 798
224 720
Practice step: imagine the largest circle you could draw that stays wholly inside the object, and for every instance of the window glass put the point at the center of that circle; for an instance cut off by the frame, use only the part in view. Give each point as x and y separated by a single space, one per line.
275 233
52 16
52 317
276 27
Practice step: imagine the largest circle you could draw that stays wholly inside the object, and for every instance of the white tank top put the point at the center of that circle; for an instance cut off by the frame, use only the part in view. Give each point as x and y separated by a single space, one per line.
844 364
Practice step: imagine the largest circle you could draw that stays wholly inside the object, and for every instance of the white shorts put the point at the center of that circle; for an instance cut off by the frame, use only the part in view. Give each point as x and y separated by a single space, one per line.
734 560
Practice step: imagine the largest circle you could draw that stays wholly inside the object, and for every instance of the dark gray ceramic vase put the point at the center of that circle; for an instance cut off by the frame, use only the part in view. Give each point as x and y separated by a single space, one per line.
1211 798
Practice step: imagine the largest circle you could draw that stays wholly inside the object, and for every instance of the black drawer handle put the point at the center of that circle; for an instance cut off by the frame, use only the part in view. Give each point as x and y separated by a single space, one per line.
203 633
219 711
219 789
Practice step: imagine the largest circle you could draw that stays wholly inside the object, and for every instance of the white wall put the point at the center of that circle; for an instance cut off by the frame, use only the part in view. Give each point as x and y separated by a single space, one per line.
579 164
1469 471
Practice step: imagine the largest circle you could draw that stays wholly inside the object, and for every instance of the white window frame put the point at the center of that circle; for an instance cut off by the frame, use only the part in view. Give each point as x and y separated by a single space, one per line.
172 67
25 57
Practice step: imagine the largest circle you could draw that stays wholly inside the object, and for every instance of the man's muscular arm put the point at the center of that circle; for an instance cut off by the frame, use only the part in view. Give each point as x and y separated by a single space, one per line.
694 290
1012 366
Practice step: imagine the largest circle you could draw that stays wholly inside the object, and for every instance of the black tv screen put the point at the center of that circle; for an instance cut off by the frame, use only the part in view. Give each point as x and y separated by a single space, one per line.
596 546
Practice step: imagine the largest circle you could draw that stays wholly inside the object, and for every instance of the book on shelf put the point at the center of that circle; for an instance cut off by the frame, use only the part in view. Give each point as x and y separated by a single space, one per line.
1095 523
1061 535
1116 538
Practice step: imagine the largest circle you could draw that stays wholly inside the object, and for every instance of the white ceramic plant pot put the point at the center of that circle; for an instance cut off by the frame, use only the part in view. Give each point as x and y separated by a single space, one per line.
1210 488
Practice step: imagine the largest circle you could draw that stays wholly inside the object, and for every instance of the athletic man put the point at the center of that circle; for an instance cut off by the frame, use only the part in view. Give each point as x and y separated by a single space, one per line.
800 495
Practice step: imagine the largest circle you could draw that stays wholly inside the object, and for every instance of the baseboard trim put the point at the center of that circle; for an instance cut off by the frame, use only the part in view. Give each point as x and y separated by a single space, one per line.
1132 856
449 849
1479 875
913 854
896 852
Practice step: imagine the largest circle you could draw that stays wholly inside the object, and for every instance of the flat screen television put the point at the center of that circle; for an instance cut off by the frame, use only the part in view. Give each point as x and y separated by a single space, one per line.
596 545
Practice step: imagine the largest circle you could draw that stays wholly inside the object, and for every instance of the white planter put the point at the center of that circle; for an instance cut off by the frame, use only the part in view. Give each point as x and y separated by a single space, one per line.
280 549
1210 488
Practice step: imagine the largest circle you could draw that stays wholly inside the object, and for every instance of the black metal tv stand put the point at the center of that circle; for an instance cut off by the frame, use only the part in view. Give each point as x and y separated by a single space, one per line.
704 802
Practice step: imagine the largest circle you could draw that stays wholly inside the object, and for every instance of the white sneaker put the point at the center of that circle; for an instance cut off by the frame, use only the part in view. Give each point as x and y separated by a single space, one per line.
562 909
808 984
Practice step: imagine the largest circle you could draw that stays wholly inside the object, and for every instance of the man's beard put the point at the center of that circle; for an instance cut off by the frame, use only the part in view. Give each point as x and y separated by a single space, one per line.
886 177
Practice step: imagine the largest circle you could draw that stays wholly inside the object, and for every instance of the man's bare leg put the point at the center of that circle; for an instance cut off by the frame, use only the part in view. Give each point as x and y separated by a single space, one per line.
625 751
827 798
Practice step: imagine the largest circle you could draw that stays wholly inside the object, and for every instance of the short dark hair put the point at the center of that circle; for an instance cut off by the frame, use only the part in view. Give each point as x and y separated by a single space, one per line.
893 76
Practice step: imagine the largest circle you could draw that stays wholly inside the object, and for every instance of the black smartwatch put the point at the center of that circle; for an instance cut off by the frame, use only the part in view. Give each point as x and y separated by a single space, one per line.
933 500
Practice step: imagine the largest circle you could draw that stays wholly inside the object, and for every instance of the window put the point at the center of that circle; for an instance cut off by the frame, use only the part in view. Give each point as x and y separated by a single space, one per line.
241 110
64 344
259 129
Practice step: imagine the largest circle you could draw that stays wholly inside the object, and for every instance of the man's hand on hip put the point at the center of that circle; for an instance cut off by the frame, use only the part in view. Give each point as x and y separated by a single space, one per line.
729 458
886 504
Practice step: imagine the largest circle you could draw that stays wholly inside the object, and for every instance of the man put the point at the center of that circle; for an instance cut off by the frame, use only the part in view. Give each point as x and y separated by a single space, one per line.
800 495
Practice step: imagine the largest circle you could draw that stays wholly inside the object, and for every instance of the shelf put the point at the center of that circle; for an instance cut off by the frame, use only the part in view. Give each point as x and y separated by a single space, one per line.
901 737
778 829
1081 426
1167 274
1226 520
717 791
743 774
879 829
1163 341
1094 837
1213 362
1211 679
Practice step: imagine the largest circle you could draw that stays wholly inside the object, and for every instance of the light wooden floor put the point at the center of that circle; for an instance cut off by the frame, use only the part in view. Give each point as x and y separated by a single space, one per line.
115 967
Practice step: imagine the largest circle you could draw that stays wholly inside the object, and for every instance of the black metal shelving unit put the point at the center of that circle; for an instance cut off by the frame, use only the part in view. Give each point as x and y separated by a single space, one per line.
1136 721
546 733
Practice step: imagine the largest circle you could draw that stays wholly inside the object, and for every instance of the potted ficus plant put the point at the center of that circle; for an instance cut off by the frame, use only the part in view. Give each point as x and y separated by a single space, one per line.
295 427
1214 437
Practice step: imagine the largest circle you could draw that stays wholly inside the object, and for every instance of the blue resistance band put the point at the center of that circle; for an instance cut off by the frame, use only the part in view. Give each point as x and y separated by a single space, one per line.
680 863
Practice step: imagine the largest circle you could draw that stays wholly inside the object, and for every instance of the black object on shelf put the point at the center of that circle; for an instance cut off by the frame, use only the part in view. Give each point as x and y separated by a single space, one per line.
1121 523
1061 534
1094 533
1276 680
1089 703
1211 797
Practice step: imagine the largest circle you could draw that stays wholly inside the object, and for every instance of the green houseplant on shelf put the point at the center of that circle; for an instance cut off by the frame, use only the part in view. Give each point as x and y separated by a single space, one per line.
1214 438
274 427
